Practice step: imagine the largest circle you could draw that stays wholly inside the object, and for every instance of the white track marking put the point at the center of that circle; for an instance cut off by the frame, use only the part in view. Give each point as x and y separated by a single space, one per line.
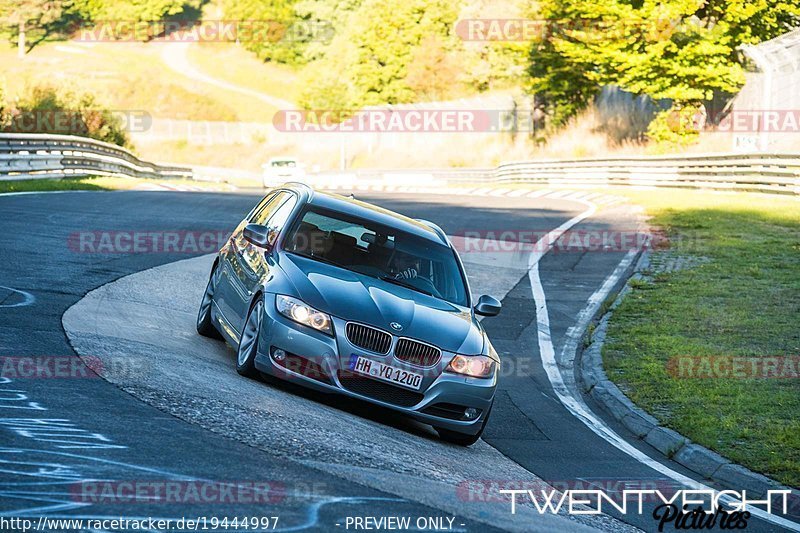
540 192
608 199
573 402
27 298
590 196
577 195
26 193
559 194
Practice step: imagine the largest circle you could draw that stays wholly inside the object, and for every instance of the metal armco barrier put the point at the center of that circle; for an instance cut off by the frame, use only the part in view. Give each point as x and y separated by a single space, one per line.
31 156
769 173
44 156
775 173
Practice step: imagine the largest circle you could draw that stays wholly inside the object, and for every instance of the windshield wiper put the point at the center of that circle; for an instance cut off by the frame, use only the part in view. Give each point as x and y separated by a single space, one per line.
321 259
404 284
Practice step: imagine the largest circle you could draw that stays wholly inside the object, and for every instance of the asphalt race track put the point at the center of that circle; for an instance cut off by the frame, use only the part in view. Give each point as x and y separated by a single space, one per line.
171 406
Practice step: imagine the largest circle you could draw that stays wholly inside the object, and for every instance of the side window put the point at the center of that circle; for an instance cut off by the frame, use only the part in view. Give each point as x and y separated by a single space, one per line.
260 206
265 211
281 214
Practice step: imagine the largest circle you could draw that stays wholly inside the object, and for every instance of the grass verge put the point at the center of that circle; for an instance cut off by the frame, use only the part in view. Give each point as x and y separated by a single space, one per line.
743 301
97 183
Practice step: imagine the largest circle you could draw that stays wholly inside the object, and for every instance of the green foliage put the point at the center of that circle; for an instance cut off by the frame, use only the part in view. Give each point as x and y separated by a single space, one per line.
28 21
674 127
683 50
131 10
369 52
557 84
493 64
278 41
323 19
43 18
369 62
48 109
432 70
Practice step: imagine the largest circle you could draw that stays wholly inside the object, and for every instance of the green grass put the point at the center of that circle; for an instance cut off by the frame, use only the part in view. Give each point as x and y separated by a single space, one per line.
66 184
745 301
97 183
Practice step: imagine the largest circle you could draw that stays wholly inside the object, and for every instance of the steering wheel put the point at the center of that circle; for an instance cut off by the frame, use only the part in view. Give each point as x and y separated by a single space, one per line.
426 285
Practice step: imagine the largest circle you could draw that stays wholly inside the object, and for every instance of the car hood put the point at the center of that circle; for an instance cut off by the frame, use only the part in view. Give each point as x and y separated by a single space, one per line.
352 296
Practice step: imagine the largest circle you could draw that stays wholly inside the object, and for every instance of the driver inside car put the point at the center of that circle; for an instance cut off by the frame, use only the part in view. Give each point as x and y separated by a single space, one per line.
406 266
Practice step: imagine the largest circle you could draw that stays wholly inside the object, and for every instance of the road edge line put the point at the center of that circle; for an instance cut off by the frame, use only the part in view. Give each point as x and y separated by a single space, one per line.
570 398
706 463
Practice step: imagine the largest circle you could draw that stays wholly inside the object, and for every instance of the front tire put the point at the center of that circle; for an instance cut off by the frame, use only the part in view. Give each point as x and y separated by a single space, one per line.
205 326
248 343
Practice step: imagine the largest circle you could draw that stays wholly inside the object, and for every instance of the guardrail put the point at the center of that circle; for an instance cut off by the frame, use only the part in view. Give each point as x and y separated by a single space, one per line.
771 173
43 156
31 156
774 173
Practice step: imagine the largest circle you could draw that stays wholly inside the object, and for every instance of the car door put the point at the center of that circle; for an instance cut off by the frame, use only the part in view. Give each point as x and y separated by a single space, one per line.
249 263
228 287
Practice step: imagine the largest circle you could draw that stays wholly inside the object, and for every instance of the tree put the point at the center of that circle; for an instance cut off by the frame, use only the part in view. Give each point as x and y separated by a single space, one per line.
24 16
432 70
369 61
682 50
131 10
61 110
272 21
324 19
492 64
137 19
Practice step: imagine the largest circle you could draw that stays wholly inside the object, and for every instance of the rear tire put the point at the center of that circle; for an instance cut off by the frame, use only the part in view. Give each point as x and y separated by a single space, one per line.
205 326
248 343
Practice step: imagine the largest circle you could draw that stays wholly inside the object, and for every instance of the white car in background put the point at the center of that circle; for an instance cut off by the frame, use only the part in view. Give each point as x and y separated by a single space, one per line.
281 169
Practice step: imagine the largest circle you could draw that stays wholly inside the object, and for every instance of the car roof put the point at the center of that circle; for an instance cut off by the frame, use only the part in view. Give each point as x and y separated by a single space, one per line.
357 208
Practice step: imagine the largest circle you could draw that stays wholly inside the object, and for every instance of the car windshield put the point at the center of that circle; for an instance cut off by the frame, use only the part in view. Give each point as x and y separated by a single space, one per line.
381 252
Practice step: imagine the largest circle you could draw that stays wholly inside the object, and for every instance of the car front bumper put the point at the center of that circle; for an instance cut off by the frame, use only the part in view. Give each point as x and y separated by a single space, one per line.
435 403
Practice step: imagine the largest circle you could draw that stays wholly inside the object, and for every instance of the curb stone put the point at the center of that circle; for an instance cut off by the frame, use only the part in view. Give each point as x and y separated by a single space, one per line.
700 460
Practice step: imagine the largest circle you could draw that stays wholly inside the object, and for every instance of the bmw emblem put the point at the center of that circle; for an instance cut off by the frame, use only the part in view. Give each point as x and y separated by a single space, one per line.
396 326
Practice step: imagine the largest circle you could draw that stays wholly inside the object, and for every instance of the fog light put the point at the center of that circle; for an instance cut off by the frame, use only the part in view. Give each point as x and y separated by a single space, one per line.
470 413
279 355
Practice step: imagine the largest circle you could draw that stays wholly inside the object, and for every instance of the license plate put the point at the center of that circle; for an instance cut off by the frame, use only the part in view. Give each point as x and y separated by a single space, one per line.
383 372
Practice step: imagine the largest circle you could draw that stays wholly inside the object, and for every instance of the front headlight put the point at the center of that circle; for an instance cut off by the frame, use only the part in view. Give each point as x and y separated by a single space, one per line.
476 366
298 311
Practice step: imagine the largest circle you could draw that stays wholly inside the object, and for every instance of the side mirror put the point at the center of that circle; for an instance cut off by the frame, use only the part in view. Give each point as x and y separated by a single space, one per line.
261 236
488 306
